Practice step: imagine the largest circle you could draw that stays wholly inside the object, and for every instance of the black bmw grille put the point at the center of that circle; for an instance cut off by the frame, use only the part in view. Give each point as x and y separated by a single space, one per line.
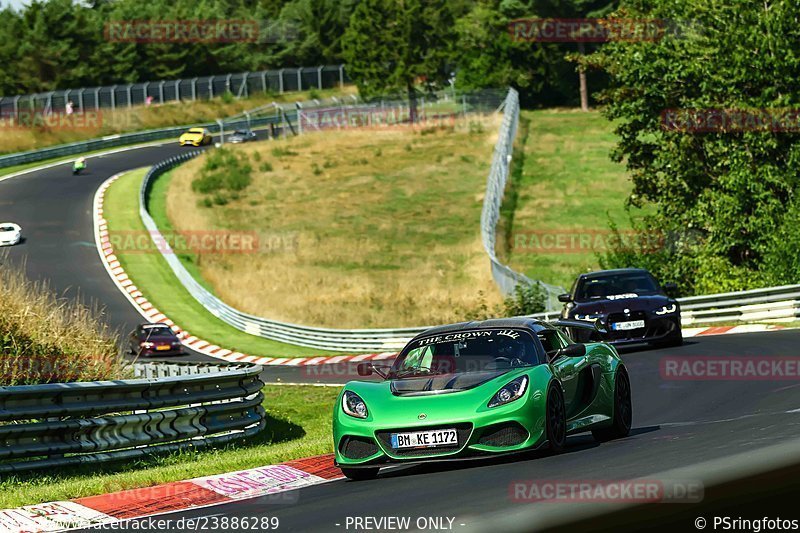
509 434
358 447
622 317
463 432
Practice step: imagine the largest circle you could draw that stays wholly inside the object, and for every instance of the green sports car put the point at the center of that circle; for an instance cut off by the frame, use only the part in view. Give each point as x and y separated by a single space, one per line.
478 389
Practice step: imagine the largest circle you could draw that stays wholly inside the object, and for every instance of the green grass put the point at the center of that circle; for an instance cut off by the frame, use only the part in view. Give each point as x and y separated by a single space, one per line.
298 425
154 278
564 186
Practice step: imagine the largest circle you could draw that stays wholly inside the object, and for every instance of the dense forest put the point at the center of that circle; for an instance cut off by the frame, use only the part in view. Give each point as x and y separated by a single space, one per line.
60 44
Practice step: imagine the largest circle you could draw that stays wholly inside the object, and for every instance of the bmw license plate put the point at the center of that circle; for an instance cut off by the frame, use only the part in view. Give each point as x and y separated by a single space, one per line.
632 324
425 439
162 347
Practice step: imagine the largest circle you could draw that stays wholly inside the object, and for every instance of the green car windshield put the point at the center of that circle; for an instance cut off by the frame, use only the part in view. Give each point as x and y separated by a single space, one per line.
467 351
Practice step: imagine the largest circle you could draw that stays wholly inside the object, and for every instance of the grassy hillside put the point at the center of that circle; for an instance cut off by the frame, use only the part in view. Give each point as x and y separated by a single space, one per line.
355 228
564 191
153 276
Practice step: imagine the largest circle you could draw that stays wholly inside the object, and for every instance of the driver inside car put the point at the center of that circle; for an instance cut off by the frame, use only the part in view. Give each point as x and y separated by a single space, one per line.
510 353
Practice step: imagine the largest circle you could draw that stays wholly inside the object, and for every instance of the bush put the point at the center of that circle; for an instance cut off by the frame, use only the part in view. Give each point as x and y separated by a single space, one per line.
223 170
266 166
525 300
46 340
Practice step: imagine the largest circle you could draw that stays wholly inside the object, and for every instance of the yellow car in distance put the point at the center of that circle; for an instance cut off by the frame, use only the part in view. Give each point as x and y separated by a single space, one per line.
195 137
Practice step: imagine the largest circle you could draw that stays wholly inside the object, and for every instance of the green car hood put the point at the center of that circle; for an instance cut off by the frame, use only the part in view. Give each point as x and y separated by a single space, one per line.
442 399
444 383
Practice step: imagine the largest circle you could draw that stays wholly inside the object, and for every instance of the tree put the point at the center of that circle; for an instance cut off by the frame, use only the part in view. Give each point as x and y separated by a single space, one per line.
733 187
391 45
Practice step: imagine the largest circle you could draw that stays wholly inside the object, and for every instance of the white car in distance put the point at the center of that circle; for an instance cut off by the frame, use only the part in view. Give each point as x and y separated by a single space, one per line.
10 234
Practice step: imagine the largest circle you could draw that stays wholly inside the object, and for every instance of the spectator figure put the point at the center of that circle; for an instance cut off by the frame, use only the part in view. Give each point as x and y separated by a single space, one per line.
148 100
68 107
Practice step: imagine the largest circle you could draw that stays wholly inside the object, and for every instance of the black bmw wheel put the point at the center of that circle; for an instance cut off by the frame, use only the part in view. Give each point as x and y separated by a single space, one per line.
360 474
556 420
623 411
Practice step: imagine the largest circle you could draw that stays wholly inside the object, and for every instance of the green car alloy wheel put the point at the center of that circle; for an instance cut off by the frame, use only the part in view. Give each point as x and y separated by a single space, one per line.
480 389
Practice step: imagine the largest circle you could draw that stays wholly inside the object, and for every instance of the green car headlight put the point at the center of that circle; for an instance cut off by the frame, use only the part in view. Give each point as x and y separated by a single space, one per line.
513 390
353 405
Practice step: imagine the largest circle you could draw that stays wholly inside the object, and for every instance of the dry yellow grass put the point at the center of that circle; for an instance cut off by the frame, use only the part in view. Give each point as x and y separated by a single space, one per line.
373 228
45 340
107 122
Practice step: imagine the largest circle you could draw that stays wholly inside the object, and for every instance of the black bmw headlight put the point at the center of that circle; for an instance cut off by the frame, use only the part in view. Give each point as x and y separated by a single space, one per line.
667 309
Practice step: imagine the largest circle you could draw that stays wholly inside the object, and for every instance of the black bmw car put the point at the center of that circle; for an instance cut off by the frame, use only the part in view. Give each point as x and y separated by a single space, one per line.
630 304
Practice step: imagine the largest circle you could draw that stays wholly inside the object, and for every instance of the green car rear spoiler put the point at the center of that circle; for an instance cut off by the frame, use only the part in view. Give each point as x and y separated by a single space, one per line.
580 324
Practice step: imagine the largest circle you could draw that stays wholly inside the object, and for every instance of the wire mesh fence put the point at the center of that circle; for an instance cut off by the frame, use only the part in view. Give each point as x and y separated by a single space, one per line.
506 278
199 88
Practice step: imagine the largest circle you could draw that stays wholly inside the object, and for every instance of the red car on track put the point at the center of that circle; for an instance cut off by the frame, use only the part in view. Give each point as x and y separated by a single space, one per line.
154 339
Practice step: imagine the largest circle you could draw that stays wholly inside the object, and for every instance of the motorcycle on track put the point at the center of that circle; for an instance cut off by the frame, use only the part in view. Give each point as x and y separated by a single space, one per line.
78 166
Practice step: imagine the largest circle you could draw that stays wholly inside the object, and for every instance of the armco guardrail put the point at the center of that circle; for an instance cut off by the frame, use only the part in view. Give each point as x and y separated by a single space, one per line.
506 278
60 424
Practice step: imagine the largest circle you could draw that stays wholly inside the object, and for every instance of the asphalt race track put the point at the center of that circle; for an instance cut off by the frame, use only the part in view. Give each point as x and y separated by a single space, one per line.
54 209
677 423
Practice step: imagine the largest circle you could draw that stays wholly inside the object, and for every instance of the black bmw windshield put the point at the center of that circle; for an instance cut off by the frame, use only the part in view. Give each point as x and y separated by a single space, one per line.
467 351
616 285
